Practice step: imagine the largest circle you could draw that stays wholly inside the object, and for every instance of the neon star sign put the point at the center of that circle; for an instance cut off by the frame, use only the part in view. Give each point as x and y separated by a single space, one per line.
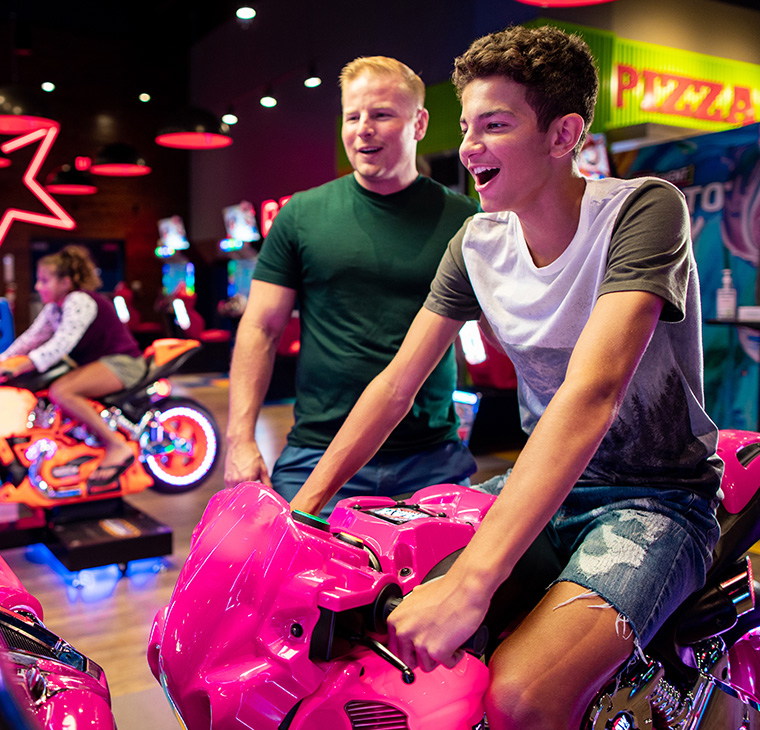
58 217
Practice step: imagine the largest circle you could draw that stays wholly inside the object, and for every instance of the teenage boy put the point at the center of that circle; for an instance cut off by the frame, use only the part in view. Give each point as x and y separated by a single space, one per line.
592 290
358 254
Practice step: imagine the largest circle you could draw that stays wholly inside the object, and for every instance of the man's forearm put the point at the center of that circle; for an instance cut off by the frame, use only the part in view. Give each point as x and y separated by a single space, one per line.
250 375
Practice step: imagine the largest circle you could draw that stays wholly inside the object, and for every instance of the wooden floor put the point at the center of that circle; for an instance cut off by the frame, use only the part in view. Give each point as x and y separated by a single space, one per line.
108 617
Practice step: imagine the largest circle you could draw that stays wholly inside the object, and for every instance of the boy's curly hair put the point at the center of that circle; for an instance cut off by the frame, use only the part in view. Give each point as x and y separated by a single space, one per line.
556 69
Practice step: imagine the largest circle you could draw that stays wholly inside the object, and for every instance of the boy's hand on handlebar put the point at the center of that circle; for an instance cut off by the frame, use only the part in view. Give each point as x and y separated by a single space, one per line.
244 463
433 622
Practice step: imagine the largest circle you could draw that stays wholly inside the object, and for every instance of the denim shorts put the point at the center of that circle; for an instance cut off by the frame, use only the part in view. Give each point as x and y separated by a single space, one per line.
643 550
387 474
130 370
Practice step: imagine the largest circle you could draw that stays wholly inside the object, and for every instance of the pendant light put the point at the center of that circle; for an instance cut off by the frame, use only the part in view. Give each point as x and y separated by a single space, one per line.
22 110
119 160
194 129
67 180
563 3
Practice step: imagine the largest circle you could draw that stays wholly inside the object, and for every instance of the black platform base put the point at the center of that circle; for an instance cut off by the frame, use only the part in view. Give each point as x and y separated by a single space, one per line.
92 534
112 538
25 527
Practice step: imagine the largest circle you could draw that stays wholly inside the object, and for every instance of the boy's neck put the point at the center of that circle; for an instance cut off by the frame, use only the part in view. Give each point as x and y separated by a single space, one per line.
549 234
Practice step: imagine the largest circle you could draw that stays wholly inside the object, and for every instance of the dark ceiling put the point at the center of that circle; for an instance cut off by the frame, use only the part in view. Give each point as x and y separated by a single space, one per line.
142 22
751 4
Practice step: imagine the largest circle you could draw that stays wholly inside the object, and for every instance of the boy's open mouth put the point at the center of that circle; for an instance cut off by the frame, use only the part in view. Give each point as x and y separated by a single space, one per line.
484 174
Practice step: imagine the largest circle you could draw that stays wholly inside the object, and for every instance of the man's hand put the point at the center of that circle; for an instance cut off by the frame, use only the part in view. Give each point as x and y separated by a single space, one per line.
431 623
244 463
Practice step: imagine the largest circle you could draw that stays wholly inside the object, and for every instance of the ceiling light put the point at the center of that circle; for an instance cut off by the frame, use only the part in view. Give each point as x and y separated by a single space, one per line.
268 99
245 16
230 117
194 129
68 180
144 97
563 3
312 80
47 86
23 110
119 160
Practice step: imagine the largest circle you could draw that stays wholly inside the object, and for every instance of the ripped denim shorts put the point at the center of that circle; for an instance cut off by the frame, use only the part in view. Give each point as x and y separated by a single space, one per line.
643 550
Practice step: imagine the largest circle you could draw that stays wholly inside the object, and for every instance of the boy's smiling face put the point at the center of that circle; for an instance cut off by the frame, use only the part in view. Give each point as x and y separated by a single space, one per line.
502 148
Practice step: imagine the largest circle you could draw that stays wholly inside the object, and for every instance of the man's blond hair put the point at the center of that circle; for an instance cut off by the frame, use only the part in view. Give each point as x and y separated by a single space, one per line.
380 65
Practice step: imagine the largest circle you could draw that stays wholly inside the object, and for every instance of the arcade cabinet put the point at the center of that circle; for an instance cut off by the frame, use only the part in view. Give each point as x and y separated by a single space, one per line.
240 249
7 330
178 302
488 373
144 332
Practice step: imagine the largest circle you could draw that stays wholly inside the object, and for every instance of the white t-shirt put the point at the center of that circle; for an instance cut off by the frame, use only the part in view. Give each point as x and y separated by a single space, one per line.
632 235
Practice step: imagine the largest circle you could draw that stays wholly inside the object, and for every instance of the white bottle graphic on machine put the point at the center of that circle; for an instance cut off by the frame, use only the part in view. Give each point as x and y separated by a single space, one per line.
726 297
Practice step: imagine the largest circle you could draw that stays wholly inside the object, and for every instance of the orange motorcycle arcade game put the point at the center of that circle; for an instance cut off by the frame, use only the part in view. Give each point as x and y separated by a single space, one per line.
46 459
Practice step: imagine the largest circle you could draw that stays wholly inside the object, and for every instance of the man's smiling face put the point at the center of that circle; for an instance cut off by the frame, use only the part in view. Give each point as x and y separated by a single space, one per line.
382 124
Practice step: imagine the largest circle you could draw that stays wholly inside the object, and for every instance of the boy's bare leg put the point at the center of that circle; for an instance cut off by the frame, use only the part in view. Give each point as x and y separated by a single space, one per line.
545 674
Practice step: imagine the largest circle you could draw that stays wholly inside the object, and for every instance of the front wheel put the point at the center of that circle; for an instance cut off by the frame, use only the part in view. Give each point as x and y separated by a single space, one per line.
187 452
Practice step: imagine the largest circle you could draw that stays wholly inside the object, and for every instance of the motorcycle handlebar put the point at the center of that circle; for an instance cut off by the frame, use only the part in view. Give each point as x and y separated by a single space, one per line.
476 644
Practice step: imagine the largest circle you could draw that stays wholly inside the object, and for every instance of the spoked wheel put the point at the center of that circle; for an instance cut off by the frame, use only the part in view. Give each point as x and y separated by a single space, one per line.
190 446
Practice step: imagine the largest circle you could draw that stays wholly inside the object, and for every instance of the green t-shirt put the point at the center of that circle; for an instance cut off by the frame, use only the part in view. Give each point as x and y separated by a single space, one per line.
361 264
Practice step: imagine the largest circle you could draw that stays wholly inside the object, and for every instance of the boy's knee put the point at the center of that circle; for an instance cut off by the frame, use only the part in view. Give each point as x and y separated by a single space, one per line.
512 704
511 701
526 696
56 393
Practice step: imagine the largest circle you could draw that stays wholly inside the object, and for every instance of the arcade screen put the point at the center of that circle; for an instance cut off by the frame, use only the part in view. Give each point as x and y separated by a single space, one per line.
178 277
240 222
239 275
594 161
172 234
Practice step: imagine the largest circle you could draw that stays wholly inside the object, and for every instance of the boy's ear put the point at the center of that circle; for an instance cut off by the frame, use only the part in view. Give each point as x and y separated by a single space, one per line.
565 133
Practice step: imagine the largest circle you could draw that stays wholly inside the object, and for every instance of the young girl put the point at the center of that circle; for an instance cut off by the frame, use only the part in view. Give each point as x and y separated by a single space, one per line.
81 327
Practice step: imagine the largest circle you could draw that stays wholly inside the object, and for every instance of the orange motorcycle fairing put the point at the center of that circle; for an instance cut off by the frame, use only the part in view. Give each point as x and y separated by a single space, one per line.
6 452
169 348
15 405
58 467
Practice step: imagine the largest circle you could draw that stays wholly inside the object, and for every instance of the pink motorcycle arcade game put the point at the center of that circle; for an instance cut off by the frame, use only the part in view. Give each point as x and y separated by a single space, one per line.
45 683
278 619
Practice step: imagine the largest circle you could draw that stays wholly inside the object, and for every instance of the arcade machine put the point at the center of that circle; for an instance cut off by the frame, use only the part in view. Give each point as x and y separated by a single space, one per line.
88 534
144 332
178 301
240 248
488 388
177 271
7 327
